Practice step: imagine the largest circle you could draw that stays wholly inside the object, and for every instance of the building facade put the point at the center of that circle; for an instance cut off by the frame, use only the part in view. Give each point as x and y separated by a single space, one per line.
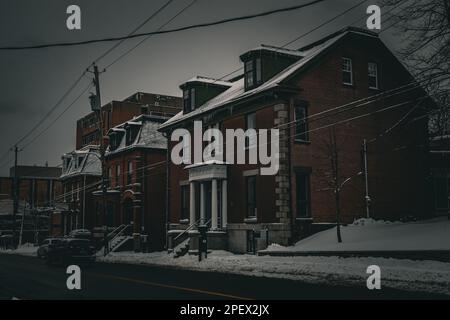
325 99
136 164
117 112
81 175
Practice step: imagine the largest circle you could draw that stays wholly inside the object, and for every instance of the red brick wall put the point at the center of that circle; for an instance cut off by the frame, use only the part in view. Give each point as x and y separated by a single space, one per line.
396 178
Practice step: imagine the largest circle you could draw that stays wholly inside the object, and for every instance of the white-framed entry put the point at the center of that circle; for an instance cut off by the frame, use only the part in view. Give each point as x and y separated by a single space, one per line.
208 194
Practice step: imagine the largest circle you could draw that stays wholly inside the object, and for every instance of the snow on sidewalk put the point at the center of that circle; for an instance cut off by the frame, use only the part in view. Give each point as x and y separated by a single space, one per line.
371 235
425 276
27 249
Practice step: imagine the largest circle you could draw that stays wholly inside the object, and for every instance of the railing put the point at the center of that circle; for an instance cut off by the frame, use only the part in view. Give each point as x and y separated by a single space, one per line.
115 231
190 228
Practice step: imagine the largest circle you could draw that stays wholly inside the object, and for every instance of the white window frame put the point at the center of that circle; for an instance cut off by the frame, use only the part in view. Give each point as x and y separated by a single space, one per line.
373 75
347 68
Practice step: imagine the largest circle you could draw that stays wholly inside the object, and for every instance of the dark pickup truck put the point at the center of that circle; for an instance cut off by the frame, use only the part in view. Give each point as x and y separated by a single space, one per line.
71 250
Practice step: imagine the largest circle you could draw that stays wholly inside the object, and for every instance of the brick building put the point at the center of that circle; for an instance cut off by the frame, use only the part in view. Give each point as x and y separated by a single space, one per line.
81 175
136 165
117 112
38 192
318 98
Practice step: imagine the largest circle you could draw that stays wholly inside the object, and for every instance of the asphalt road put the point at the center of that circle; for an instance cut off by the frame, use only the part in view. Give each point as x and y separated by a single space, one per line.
29 278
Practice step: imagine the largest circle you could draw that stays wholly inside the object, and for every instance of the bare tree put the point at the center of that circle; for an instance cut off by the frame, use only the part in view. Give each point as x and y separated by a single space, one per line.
425 28
330 174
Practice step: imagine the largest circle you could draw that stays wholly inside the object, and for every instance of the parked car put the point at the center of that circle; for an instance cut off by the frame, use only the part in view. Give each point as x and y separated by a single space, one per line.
43 248
71 250
6 241
81 234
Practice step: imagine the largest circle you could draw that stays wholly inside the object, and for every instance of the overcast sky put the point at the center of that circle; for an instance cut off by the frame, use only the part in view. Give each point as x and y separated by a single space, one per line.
32 81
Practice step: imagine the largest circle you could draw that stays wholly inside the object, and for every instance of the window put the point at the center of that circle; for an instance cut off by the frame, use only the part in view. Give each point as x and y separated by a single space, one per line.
210 138
109 176
250 123
249 74
301 123
186 105
253 74
303 195
373 75
186 149
347 71
80 161
189 100
185 203
251 197
258 70
192 98
118 175
130 172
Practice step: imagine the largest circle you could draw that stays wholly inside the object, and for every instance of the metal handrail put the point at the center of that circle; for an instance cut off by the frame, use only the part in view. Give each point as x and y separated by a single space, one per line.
125 227
190 227
115 230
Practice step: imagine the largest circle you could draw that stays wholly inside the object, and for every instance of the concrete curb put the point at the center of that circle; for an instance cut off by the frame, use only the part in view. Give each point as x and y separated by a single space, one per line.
436 255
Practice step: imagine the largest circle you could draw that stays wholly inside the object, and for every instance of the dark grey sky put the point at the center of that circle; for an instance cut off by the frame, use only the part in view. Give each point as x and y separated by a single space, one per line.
32 81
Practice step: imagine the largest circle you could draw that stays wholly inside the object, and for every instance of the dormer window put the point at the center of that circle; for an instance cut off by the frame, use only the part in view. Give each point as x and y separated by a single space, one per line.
189 100
80 161
131 133
253 75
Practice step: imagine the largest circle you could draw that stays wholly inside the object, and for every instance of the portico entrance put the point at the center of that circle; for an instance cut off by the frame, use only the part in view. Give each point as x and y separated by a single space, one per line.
209 180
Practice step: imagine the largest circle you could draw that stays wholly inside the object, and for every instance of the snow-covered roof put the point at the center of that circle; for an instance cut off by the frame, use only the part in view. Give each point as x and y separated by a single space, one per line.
275 49
147 137
90 162
208 80
237 91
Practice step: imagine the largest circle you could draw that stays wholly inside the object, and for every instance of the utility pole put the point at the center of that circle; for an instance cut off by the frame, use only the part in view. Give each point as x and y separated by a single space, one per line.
367 198
16 196
97 109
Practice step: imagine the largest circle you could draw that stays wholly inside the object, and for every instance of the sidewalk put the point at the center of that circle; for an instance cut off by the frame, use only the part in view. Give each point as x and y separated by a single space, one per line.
421 240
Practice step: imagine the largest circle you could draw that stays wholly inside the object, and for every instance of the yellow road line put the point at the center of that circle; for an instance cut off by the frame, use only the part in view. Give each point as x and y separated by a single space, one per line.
212 293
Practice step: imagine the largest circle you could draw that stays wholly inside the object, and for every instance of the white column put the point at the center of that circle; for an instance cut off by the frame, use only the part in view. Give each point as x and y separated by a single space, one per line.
214 205
202 203
192 203
224 203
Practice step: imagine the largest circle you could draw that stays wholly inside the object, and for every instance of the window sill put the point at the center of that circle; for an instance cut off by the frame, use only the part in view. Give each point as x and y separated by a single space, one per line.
304 219
251 220
184 221
302 141
348 85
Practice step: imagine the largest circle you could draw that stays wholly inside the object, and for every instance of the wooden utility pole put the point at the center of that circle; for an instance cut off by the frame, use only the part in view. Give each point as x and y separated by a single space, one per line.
98 110
16 196
366 173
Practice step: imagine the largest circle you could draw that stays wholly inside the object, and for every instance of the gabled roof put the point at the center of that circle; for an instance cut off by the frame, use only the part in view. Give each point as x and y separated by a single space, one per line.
237 91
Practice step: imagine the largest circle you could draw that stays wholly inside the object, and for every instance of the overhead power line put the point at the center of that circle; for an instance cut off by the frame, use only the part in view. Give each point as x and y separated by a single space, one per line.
137 35
143 23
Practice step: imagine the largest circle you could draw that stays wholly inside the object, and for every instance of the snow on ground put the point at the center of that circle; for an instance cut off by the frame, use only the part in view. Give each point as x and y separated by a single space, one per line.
370 235
426 276
27 249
